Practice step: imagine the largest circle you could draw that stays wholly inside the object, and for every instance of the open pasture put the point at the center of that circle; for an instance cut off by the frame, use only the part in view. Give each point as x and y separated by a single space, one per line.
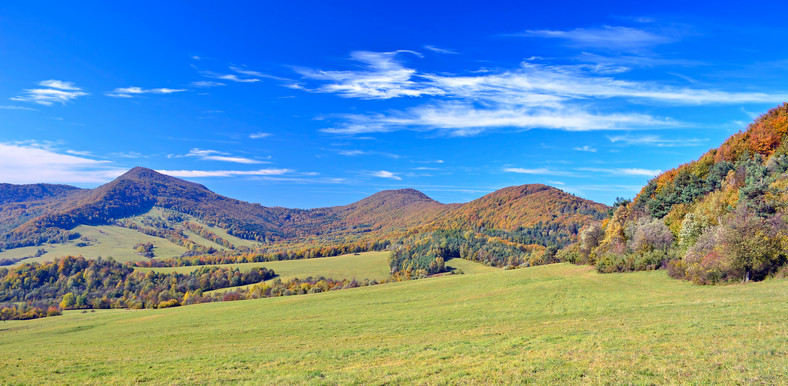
547 324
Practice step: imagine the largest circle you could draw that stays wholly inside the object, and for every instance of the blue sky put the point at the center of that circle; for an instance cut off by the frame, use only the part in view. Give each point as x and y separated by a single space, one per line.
308 104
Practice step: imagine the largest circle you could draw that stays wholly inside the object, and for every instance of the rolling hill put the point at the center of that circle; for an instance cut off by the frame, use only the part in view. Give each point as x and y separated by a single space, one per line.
50 214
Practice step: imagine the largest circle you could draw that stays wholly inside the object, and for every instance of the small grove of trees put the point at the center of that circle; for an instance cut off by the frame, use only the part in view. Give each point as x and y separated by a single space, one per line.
744 247
77 283
424 254
145 249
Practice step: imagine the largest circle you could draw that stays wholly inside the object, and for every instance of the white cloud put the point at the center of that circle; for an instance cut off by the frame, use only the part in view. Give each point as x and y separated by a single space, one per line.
385 174
586 148
655 140
625 171
57 92
540 171
17 108
206 83
59 84
382 77
131 154
563 97
439 50
230 77
466 120
255 74
607 37
225 173
351 153
259 135
356 152
83 153
130 92
28 164
215 155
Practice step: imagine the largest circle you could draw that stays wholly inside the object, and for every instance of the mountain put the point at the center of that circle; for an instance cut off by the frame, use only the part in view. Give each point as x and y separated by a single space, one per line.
524 206
717 219
53 210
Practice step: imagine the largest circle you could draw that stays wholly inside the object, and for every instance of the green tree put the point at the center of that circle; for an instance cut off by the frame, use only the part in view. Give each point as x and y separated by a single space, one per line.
69 300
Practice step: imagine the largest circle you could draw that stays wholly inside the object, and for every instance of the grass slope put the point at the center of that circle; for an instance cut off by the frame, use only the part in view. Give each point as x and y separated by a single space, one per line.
367 265
119 242
556 323
106 240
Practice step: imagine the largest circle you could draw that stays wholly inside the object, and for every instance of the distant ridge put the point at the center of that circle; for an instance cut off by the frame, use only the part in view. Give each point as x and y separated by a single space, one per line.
140 189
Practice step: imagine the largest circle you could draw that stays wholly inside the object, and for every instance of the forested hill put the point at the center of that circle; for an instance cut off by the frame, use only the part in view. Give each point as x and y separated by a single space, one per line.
719 218
46 213
522 207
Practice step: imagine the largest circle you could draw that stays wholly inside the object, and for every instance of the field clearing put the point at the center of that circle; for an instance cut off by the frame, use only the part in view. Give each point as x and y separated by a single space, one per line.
106 240
119 242
366 265
557 323
468 266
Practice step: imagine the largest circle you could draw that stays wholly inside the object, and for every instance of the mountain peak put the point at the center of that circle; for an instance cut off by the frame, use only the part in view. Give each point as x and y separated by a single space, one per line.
405 195
147 176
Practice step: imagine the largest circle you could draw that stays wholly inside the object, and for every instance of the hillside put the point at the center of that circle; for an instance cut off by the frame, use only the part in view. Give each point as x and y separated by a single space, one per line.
204 222
720 218
525 206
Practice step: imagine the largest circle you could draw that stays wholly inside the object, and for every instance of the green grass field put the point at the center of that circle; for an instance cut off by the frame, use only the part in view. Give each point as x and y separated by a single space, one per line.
366 265
549 324
105 241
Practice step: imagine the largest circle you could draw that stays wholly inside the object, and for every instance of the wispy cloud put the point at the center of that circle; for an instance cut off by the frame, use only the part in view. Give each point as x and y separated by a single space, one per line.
381 77
230 77
130 92
563 97
215 155
457 119
586 148
17 108
225 173
259 135
582 172
27 164
439 50
356 152
540 172
56 91
625 171
655 140
385 174
606 37
59 84
83 153
206 84
131 154
256 74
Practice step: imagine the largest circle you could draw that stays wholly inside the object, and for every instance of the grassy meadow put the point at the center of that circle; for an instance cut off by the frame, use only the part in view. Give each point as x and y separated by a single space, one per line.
105 241
365 265
547 324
